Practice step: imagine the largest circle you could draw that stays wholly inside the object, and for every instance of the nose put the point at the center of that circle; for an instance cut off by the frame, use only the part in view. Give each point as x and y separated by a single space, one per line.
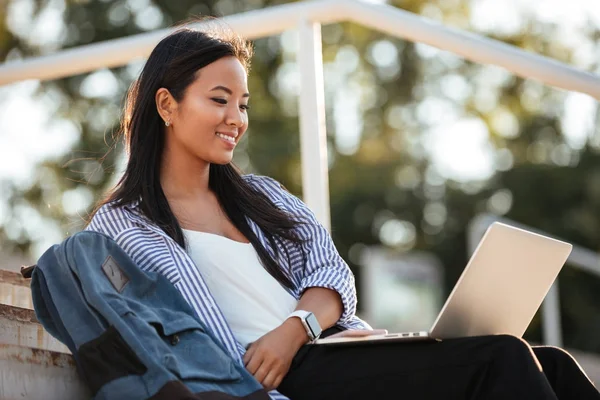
235 117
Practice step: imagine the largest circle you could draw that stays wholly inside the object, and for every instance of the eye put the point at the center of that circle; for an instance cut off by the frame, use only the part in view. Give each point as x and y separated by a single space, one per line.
245 107
218 100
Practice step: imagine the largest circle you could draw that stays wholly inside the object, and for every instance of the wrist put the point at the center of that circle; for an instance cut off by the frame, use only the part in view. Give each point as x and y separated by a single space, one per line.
296 331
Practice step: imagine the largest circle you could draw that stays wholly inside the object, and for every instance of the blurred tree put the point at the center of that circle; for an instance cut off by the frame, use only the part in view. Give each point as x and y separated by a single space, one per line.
387 101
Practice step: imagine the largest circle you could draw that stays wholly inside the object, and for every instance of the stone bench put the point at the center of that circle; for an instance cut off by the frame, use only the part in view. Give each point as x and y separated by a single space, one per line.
35 374
33 364
19 327
14 289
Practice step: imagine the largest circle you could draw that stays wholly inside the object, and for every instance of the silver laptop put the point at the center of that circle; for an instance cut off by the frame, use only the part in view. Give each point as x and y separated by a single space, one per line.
499 291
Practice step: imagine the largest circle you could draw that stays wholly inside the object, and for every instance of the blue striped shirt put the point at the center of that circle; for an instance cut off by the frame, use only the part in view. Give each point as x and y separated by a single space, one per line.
314 263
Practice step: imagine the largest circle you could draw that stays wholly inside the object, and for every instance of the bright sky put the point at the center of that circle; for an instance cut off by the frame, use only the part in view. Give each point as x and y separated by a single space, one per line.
458 145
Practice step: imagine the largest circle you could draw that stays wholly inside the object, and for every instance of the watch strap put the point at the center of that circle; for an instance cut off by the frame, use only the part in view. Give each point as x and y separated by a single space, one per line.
302 315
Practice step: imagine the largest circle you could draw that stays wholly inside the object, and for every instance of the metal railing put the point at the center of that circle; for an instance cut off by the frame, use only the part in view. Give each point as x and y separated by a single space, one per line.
307 17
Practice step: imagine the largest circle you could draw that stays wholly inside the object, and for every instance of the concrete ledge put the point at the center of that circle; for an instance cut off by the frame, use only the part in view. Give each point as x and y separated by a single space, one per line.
35 374
14 290
13 278
19 327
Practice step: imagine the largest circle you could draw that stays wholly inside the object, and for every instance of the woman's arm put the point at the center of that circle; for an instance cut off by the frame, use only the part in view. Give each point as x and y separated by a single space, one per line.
324 280
269 358
323 267
325 304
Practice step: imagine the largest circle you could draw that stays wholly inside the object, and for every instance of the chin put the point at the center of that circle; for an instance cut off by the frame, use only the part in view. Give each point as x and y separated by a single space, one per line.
222 161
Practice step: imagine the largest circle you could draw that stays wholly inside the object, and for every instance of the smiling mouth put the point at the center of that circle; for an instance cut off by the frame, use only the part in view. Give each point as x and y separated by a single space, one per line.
230 139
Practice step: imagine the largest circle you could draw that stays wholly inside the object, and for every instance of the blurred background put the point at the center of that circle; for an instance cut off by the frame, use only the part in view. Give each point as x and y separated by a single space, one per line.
420 141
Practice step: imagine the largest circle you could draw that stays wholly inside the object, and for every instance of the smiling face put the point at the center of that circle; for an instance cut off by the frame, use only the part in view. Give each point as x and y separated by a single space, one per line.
211 118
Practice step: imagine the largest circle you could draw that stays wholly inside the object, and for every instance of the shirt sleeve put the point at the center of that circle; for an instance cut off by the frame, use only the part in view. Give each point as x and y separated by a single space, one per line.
324 267
109 220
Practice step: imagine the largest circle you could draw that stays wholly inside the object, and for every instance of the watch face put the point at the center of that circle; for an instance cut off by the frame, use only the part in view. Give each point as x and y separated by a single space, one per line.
313 324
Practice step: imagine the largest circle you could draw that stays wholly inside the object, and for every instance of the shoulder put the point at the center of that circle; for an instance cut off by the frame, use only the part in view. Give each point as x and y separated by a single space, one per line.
269 186
279 195
111 219
263 182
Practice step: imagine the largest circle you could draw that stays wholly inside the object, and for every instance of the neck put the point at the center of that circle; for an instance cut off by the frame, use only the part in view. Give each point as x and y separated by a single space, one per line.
183 176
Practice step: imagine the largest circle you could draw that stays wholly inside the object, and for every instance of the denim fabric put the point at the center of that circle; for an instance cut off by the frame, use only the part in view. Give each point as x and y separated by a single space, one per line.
130 331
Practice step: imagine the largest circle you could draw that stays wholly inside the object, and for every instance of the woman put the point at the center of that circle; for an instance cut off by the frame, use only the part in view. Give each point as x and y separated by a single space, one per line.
255 264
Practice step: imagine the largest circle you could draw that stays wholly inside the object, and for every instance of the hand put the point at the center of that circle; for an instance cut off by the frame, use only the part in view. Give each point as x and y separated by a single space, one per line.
358 333
269 358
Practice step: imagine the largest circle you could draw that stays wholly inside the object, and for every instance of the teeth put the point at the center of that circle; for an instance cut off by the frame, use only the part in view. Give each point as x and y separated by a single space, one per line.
226 137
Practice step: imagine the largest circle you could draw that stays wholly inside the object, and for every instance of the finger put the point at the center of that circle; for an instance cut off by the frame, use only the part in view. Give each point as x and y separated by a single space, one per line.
249 354
278 381
270 380
378 332
262 373
359 333
254 364
351 333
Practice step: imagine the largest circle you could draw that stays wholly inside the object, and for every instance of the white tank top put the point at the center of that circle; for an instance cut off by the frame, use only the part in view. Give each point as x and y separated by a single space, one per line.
252 301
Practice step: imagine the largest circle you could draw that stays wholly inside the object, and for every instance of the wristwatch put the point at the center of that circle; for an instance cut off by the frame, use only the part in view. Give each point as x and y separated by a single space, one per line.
310 323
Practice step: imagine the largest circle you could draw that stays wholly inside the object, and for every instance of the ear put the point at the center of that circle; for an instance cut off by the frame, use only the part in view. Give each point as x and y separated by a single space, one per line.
165 104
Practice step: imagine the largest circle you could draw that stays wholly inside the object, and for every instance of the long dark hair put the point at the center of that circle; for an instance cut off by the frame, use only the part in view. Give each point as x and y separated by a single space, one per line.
173 64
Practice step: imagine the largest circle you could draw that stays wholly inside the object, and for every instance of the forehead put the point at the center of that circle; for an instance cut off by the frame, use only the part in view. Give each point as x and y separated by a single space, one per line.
226 71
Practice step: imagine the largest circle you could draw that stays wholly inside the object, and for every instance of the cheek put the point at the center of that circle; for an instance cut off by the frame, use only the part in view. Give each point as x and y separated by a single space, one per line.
201 114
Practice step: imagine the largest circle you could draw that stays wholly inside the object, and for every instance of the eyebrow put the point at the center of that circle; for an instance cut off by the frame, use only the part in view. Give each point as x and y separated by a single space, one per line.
227 90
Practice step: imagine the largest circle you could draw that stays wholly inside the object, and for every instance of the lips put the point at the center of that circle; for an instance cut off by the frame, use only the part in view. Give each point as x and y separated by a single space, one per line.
228 137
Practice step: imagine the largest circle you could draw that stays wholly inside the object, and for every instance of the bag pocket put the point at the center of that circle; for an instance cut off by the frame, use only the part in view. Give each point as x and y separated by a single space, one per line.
131 387
107 358
188 351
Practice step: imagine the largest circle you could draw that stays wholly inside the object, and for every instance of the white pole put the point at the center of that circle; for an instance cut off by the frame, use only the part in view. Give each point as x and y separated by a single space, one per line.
551 326
313 140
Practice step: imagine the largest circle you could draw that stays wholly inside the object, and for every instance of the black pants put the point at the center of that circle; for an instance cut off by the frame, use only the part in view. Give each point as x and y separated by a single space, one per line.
487 367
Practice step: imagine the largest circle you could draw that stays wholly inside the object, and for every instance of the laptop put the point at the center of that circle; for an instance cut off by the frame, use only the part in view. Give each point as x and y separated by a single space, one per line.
499 291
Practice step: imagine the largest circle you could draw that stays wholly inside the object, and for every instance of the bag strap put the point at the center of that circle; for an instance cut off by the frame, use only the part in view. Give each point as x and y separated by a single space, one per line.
27 271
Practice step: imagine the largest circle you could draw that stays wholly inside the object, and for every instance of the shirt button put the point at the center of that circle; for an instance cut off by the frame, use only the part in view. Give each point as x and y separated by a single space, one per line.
174 339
